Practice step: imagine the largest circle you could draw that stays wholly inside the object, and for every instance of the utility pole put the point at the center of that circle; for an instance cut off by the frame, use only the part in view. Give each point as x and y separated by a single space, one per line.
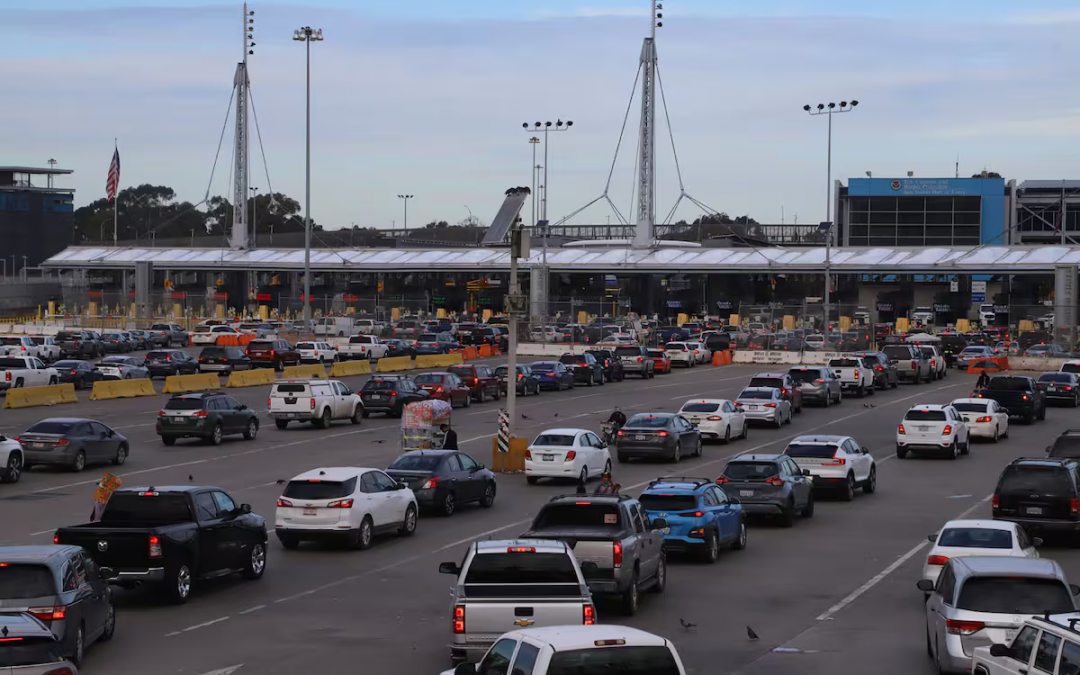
307 35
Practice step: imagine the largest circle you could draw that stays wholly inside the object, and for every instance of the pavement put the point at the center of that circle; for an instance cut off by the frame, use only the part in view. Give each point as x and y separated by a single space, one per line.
830 592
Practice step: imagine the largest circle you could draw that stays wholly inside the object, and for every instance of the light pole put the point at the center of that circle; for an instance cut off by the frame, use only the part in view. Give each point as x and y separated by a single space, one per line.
407 198
472 218
254 215
534 141
827 226
546 126
307 35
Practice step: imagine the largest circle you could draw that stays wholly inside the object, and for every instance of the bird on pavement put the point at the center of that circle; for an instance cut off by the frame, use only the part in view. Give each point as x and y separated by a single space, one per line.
524 416
556 414
750 633
687 626
190 478
280 481
379 441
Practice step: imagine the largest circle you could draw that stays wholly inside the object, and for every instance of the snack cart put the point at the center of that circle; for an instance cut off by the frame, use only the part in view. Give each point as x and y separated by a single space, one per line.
420 424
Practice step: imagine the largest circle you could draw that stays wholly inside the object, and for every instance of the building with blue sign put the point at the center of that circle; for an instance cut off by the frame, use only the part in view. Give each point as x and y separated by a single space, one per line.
36 221
923 212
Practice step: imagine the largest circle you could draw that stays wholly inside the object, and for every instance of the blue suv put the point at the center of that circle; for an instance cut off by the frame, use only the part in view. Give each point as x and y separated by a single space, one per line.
700 516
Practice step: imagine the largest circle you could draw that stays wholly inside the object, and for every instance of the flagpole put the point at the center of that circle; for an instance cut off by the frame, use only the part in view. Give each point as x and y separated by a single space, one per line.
114 220
116 201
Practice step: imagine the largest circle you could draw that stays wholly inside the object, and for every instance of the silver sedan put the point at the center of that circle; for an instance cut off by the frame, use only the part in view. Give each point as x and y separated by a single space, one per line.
123 368
764 404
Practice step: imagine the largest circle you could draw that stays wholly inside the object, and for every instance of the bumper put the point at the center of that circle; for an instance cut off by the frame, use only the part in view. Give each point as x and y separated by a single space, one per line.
646 449
981 429
162 372
1043 524
952 656
814 394
131 577
319 533
49 457
635 367
1060 396
214 367
711 429
550 384
544 469
296 417
762 508
760 415
924 446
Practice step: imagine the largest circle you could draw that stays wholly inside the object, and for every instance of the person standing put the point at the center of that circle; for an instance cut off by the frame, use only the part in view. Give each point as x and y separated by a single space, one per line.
607 486
449 437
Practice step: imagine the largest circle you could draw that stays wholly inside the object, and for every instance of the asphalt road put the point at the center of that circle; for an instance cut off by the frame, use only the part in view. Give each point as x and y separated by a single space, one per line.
831 592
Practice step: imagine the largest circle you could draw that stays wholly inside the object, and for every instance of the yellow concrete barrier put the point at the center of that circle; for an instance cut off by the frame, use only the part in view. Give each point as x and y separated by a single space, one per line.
105 390
252 378
31 397
439 360
350 368
183 384
305 372
394 364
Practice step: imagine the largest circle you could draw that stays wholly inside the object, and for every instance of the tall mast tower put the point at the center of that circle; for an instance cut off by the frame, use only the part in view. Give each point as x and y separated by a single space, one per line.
238 236
646 181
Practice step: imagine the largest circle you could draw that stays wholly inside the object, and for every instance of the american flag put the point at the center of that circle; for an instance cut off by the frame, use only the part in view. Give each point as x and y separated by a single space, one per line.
114 176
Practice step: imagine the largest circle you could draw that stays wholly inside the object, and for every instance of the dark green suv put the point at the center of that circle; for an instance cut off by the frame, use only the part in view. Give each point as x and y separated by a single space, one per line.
208 416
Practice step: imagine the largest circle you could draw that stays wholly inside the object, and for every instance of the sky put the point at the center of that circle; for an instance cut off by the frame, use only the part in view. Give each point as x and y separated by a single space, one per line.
428 97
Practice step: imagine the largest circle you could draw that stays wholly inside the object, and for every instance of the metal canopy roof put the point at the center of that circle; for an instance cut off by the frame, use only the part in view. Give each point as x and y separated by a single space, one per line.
978 259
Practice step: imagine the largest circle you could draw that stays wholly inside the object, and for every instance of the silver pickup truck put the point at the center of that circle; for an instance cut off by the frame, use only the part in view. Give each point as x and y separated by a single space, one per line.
910 363
621 551
506 585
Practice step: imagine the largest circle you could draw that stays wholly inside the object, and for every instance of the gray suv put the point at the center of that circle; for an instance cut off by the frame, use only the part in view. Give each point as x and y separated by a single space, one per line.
910 363
635 360
30 649
769 484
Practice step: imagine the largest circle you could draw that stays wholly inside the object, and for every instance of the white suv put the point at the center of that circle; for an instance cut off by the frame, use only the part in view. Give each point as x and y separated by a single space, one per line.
348 503
932 428
835 463
12 460
316 401
317 352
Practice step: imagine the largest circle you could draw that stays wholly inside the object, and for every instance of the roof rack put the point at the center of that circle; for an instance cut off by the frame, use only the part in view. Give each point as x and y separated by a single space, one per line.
682 479
588 496
1049 613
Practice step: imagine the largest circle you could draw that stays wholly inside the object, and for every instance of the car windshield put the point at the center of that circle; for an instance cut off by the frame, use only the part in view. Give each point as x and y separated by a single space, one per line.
623 660
554 440
975 537
970 407
429 378
184 404
1056 377
1029 479
417 462
51 427
1015 595
319 489
664 502
147 507
750 470
647 422
543 367
922 415
427 337
587 514
26 581
32 651
378 385
816 450
805 375
526 567
765 394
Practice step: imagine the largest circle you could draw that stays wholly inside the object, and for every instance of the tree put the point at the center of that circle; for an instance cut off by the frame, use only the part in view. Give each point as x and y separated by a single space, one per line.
987 174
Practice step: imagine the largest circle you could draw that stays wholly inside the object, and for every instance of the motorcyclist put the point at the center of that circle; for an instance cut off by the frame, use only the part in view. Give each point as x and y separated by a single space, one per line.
617 418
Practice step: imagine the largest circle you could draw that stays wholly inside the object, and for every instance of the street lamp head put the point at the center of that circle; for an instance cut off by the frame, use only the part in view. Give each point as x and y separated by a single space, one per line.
820 106
547 124
831 106
537 125
569 123
806 107
558 123
843 104
854 103
524 125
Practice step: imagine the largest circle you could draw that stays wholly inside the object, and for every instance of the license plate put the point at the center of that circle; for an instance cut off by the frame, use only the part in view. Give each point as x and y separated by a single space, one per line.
1034 510
752 407
640 437
549 458
178 420
376 397
38 445
310 511
746 493
291 415
923 428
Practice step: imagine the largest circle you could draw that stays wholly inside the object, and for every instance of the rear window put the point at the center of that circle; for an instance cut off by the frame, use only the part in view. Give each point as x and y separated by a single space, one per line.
807 375
378 385
429 378
198 329
1009 384
12 363
184 404
319 489
1056 377
26 581
675 347
925 415
624 660
757 394
161 326
10 341
751 470
1071 368
67 364
521 568
1035 479
48 427
67 335
213 351
818 450
656 353
570 359
647 422
305 345
427 337
655 502
774 382
294 388
844 363
155 356
417 462
554 440
132 507
897 352
627 351
700 407
31 651
543 367
1005 595
361 340
462 371
975 537
973 350
970 407
1066 446
555 516
261 344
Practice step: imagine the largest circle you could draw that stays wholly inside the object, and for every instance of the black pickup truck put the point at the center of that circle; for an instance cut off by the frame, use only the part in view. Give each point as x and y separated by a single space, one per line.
1019 395
172 537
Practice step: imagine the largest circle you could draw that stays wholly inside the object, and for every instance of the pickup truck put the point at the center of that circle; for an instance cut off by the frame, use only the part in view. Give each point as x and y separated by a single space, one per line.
1017 394
77 344
910 362
505 584
361 347
168 334
621 551
172 537
854 374
25 371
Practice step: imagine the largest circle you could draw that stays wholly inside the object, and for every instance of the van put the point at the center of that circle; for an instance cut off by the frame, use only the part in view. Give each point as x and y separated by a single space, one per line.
335 326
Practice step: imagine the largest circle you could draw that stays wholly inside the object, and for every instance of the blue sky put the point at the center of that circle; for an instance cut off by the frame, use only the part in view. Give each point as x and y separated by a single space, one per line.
428 96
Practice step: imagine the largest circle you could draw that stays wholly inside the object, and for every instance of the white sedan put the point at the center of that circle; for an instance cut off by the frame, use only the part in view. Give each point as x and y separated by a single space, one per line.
715 418
962 538
985 417
317 352
577 454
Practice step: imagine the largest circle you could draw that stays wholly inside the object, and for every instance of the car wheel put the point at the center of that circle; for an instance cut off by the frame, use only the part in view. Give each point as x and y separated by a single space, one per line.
288 541
849 489
583 477
281 424
449 505
787 516
365 534
215 435
177 586
14 468
324 419
966 447
622 457
660 580
256 563
630 597
251 431
78 650
497 395
862 391
532 480
901 453
997 435
468 401
121 455
828 400
358 414
79 463
591 381
408 525
872 390
779 420
745 430
870 486
697 452
740 541
953 450
489 495
711 551
727 434
481 397
168 440
895 383
109 629
808 510
676 453
1042 414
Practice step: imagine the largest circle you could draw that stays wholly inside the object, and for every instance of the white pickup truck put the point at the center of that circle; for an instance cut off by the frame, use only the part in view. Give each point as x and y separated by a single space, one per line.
25 371
854 374
362 347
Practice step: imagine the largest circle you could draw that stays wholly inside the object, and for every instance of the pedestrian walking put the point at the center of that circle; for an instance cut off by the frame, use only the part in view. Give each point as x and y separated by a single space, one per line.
449 437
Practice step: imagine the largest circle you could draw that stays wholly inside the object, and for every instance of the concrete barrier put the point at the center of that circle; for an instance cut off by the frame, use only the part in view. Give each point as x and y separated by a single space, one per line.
438 360
1036 364
251 378
350 368
184 384
314 371
105 390
745 356
394 364
31 397
550 349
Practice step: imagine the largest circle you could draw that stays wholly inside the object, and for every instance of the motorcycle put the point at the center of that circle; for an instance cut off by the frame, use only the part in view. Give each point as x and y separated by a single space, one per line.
608 431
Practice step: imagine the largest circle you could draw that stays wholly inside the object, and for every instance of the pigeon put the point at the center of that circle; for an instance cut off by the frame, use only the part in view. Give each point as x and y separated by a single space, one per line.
750 633
280 481
556 414
190 478
379 441
687 626
524 416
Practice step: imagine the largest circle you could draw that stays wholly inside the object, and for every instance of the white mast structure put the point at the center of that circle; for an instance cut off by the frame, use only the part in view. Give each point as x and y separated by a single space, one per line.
646 180
238 236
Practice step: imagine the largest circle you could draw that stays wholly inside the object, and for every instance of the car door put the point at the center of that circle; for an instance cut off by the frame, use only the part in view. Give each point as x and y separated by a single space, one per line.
737 417
396 499
649 541
802 485
476 479
854 455
378 499
691 435
597 453
1001 418
459 480
233 418
104 448
90 599
727 516
940 599
233 532
961 425
212 533
344 400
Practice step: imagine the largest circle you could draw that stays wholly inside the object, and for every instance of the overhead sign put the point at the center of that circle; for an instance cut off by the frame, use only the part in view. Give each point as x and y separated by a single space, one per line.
884 307
978 287
942 309
723 304
978 297
954 286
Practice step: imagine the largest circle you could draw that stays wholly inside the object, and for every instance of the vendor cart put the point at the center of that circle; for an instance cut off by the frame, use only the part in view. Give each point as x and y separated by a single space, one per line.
420 424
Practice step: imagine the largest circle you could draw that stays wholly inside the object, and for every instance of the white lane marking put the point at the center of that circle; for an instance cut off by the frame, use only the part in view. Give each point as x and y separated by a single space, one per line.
252 609
472 538
226 671
197 626
38 534
136 426
854 595
352 577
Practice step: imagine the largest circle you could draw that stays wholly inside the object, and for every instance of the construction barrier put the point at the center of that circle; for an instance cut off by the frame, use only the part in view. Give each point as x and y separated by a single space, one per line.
350 368
994 364
183 384
721 357
105 390
31 397
471 354
394 364
513 461
438 361
251 378
485 350
315 371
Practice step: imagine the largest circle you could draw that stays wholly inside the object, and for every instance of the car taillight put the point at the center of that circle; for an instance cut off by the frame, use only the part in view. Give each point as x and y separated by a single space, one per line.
640 359
878 368
958 627
937 560
776 481
201 413
933 362
661 433
64 670
691 514
900 429
995 501
528 454
7 374
312 404
430 483
616 553
438 390
621 432
282 502
819 381
57 613
984 419
155 546
722 479
836 461
570 456
521 376
947 430
340 504
1074 505
913 365
856 372
770 405
714 418
588 615
459 618
272 352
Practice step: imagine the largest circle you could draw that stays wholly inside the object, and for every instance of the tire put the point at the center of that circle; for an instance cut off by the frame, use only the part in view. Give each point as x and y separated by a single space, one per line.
808 510
652 374
622 457
79 463
966 448
745 431
121 455
468 401
532 480
849 489
660 580
779 420
252 430
408 525
489 496
676 454
740 541
109 629
901 453
1042 414
954 452
481 397
449 505
699 448
497 395
895 383
630 597
177 586
281 424
19 383
324 419
365 534
358 415
583 477
78 651
997 435
787 516
872 390
711 551
14 469
862 391
592 380
727 434
869 486
52 381
255 564
1029 418
215 436
288 541
169 441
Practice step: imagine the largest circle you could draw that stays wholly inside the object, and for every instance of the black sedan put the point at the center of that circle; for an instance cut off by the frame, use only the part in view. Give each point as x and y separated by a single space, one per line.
585 367
553 375
442 479
165 362
399 348
223 360
82 374
527 380
72 443
1061 387
657 436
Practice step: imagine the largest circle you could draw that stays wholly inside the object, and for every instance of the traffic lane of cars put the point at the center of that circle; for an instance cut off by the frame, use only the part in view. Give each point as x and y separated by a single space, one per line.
375 574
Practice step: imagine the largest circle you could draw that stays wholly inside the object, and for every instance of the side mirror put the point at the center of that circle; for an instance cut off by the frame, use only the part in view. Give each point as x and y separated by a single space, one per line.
925 585
400 486
480 467
465 669
1048 449
805 472
245 509
449 568
932 538
1000 650
1036 541
735 500
659 524
866 451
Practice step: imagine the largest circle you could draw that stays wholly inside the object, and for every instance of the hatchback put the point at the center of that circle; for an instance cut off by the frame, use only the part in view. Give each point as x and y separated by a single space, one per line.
817 384
764 404
165 362
769 484
785 383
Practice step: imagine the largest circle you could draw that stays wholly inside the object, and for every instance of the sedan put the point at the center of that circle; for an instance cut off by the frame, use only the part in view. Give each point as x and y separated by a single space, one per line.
82 374
445 387
443 479
223 360
657 436
575 454
661 360
165 362
716 418
965 538
974 353
765 404
985 417
1047 350
528 382
553 375
123 368
73 443
1061 387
